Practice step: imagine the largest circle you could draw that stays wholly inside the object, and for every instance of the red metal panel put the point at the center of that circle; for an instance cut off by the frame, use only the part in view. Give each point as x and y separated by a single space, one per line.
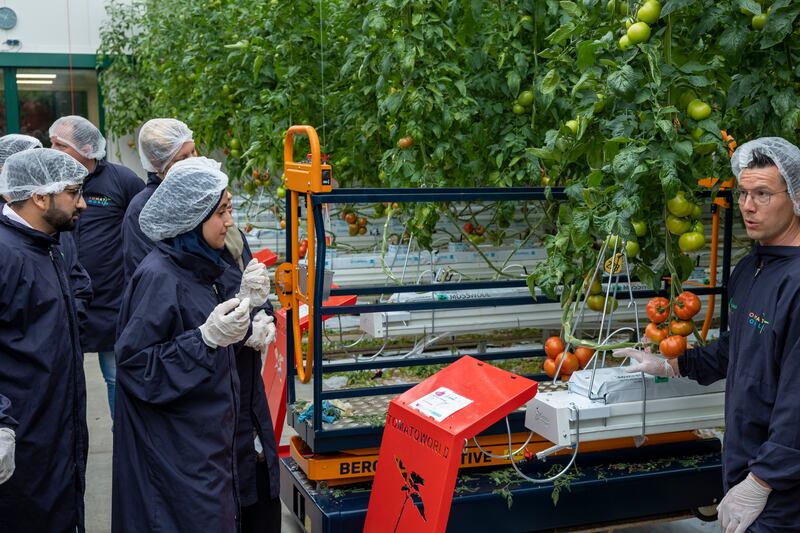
419 456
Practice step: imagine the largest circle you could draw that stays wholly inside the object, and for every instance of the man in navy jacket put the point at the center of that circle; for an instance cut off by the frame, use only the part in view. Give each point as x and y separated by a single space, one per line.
41 362
108 189
760 355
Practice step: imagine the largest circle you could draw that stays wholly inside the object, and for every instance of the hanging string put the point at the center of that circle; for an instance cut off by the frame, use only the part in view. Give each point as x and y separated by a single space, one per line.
322 70
69 55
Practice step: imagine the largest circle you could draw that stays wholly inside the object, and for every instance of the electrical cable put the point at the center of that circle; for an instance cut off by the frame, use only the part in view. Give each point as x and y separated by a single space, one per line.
569 464
507 457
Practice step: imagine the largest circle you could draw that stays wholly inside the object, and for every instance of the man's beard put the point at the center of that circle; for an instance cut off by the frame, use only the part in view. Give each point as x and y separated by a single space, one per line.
59 219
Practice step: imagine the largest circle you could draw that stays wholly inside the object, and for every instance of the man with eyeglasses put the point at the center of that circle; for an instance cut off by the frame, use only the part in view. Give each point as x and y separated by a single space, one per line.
43 432
108 190
760 354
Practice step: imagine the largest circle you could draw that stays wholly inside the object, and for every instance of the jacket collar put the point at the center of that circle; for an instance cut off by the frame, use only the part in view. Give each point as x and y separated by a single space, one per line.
768 254
202 269
34 236
153 180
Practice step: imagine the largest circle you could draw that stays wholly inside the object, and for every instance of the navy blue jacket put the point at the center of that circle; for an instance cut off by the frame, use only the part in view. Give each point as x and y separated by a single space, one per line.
254 415
107 190
79 280
760 358
177 399
135 244
41 373
6 420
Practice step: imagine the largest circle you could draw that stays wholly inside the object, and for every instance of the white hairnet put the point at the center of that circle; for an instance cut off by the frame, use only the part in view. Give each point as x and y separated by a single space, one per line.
159 140
784 154
189 193
81 135
13 143
42 171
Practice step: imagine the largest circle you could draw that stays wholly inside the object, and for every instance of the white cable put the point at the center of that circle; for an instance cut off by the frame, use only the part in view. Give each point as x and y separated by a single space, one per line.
569 464
493 456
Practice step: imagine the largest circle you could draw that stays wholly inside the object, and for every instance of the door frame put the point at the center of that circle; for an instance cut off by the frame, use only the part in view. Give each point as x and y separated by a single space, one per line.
11 61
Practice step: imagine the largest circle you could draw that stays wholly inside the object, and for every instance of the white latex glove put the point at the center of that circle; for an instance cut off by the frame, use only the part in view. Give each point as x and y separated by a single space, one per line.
648 363
263 332
7 445
742 505
227 323
255 284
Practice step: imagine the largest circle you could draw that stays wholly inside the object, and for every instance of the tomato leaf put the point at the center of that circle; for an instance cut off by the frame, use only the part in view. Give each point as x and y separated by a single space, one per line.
587 54
732 42
780 23
671 6
571 8
750 5
623 81
670 180
563 33
513 80
550 82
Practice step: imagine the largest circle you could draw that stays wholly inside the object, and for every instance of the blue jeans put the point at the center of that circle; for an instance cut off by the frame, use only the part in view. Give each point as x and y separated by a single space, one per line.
108 366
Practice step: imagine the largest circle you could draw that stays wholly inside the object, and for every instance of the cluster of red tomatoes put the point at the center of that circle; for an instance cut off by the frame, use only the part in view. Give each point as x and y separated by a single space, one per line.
671 322
555 349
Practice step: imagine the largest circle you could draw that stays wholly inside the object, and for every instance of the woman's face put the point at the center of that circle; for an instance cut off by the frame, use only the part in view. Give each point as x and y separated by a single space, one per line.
216 227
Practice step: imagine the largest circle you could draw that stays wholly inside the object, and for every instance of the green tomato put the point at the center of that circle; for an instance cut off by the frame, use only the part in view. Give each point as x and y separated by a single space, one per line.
598 301
281 192
639 33
639 227
526 20
573 125
612 241
617 5
698 110
632 248
691 241
517 109
759 21
235 144
686 97
525 98
677 225
226 89
698 227
649 12
679 206
697 212
697 133
601 102
235 154
625 42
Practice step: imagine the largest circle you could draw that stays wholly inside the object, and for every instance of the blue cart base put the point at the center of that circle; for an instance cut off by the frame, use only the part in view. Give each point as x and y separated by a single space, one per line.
606 488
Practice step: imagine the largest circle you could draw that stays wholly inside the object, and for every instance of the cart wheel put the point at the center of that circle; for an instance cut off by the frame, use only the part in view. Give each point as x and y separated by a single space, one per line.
706 514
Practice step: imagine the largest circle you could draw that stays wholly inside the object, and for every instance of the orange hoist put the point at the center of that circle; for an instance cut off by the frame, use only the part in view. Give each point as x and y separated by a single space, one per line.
291 279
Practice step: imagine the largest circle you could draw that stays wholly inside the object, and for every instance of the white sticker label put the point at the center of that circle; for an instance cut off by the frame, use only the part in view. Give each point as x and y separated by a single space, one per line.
440 404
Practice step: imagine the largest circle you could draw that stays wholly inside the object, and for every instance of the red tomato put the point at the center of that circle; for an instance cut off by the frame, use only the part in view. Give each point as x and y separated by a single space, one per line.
570 364
681 327
468 227
549 367
655 333
686 305
553 346
657 309
673 346
583 354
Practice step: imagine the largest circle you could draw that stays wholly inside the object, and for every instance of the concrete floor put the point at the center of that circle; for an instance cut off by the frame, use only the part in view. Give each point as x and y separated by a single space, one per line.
98 482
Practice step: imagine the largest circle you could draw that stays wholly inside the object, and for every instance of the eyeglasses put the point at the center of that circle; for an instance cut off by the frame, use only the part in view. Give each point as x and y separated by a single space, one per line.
759 197
75 193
